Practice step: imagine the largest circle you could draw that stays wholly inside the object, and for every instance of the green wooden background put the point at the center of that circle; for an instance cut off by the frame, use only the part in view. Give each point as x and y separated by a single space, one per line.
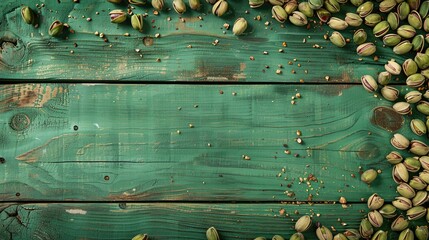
138 134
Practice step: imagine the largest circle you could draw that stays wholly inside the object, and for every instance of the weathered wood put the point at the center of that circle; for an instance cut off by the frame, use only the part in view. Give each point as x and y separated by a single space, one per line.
29 53
135 142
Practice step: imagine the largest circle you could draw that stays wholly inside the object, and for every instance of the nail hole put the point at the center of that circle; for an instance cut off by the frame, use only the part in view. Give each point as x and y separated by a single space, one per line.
17 194
2 160
106 178
75 127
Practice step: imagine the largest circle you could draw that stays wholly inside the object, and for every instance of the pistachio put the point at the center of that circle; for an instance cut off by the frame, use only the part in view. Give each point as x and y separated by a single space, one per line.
394 157
141 237
277 2
417 183
220 8
386 6
391 39
337 39
323 14
279 13
369 83
297 236
179 6
417 212
402 108
415 20
56 28
375 218
402 203
403 10
256 3
403 47
384 77
337 24
137 2
412 164
323 233
418 148
365 8
415 80
426 94
405 190
393 67
195 4
418 126
422 60
359 36
375 202
400 173
406 234
352 19
414 4
424 162
373 19
260 238
297 18
423 107
421 198
409 66
352 234
305 8
159 4
137 22
379 235
277 237
422 232
316 4
332 6
388 211
424 175
115 1
369 176
212 234
340 236
424 9
27 15
366 230
303 224
399 224
356 3
240 26
117 16
414 97
406 31
381 29
291 6
393 20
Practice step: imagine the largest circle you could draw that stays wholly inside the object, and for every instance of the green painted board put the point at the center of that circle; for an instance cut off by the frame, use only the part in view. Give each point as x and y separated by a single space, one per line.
29 53
190 142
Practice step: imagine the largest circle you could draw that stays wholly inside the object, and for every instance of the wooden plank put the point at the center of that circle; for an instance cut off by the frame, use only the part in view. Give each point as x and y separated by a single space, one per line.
167 220
29 53
134 142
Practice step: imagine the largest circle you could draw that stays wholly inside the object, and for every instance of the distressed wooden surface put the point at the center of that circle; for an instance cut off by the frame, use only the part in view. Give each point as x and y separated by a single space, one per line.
30 54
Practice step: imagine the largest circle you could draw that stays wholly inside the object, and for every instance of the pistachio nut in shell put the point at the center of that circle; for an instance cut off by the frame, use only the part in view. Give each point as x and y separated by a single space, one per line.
340 236
277 2
406 190
369 176
115 1
179 6
353 20
400 173
406 234
303 223
297 18
399 224
418 43
316 4
277 237
375 202
305 8
337 39
137 2
27 15
403 47
393 20
195 4
366 49
373 19
291 6
424 162
417 183
220 8
418 148
423 107
413 97
422 60
240 26
409 66
393 67
417 212
402 108
422 232
260 238
381 29
406 31
424 175
379 235
297 236
137 22
394 157
375 218
279 13
56 28
384 77
418 127
256 3
323 233
424 9
323 14
117 16
365 8
212 234
386 6
403 9
415 20
332 6
402 203
159 4
412 164
414 4
356 3
388 211
369 83
391 39
365 228
337 23
421 198
359 36
352 234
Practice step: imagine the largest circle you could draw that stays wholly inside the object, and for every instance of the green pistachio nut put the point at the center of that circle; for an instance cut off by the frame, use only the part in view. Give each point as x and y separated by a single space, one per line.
393 20
305 8
412 164
220 8
315 4
291 6
375 202
352 19
359 36
256 3
394 157
418 126
332 6
137 22
391 39
340 236
414 4
403 47
386 6
415 80
277 237
399 224
356 3
418 184
405 190
365 228
415 213
421 198
260 238
115 1
277 2
403 10
422 232
352 234
398 140
369 83
381 29
410 67
323 233
402 108
388 211
423 107
159 4
426 24
27 15
297 236
425 72
375 218
212 234
117 16
406 31
400 173
56 28
366 49
372 19
323 14
137 2
424 9
418 43
365 8
426 93
424 162
369 176
279 13
343 1
240 26
297 18
422 60
179 6
415 20
141 237
403 204
337 39
303 224
393 67
379 235
406 234
384 78
337 23
195 4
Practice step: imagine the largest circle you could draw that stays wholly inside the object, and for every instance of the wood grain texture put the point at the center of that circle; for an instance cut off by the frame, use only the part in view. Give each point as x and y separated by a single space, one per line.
28 53
135 143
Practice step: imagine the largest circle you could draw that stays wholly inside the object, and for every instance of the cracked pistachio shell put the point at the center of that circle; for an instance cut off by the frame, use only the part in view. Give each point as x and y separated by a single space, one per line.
384 77
297 236
406 234
369 83
159 4
372 19
137 22
337 39
375 218
240 26
418 126
220 8
400 173
394 157
56 28
380 235
415 20
399 141
414 4
137 2
393 20
386 6
303 223
279 13
340 236
424 9
423 107
426 25
388 211
426 94
381 29
366 49
402 108
409 66
315 4
424 162
277 237
179 6
417 183
117 16
323 14
115 1
365 8
212 234
413 97
359 36
356 3
297 18
332 6
393 67
422 60
352 19
368 176
391 39
403 10
305 8
256 3
277 2
402 203
352 234
337 23
140 237
365 228
418 43
406 190
412 164
27 15
260 238
323 233
195 4
406 31
421 198
375 202
424 175
417 212
403 47
291 6
422 232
